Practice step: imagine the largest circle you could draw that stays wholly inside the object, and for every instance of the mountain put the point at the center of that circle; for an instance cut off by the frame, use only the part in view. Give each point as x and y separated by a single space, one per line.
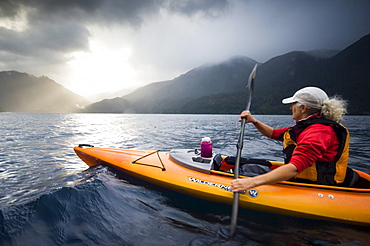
212 88
323 53
220 88
21 92
115 105
171 96
108 95
346 74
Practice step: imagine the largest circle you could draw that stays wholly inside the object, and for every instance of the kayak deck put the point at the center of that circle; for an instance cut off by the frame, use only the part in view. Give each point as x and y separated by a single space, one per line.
183 171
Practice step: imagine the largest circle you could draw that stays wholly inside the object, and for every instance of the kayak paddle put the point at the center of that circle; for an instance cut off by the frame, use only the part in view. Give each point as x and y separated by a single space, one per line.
239 146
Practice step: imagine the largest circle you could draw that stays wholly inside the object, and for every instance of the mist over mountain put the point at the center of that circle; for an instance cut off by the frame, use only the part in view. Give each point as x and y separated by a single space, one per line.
212 88
21 92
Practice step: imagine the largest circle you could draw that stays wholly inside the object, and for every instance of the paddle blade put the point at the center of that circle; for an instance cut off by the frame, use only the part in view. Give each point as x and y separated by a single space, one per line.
250 85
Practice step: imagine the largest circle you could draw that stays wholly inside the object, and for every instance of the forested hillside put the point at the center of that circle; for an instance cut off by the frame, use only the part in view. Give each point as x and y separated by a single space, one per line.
21 92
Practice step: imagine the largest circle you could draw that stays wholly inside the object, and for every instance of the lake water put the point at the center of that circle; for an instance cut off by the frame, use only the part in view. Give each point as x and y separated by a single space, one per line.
48 196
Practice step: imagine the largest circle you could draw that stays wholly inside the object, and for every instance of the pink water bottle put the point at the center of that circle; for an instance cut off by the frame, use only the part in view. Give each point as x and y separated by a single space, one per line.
206 147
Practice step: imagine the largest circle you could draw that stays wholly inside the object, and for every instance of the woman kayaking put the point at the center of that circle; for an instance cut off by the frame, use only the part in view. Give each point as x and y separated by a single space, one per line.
321 156
315 149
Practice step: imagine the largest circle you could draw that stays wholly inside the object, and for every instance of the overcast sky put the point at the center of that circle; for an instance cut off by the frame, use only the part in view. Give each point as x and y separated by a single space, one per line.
95 46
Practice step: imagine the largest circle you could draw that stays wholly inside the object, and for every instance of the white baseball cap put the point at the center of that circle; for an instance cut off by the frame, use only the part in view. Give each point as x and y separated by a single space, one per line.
312 97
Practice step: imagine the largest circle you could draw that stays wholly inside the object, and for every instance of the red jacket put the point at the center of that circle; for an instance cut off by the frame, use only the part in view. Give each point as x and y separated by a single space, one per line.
317 143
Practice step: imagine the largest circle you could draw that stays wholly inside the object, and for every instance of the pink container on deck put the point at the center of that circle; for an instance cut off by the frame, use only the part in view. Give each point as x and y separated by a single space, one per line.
206 147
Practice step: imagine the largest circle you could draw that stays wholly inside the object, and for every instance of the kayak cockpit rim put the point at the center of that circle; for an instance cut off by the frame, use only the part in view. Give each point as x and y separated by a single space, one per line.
163 168
292 183
191 159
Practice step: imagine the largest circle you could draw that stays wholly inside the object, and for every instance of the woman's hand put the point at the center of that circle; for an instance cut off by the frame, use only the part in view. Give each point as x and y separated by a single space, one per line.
238 185
282 173
248 116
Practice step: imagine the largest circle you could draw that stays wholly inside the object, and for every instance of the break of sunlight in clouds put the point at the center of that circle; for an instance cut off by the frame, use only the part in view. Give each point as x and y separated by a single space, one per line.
101 70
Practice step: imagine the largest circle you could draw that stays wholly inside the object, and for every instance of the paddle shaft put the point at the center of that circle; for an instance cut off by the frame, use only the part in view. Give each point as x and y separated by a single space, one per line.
234 215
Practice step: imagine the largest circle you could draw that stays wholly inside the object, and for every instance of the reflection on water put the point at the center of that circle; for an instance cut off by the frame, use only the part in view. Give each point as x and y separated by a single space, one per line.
45 187
36 149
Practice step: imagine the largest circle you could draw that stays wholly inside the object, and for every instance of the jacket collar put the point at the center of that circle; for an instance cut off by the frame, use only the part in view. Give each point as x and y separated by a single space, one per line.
312 116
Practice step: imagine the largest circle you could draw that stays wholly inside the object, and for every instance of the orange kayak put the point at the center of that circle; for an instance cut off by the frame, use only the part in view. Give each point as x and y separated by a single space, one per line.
186 172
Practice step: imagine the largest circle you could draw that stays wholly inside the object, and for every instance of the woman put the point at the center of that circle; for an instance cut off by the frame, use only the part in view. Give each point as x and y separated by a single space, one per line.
315 149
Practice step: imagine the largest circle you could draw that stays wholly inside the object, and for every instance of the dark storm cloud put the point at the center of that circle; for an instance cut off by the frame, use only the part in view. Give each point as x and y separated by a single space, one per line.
209 8
64 24
131 12
61 25
96 11
44 38
8 8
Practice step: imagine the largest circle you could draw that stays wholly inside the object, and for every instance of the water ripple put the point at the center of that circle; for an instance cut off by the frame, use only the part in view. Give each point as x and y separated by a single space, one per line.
48 196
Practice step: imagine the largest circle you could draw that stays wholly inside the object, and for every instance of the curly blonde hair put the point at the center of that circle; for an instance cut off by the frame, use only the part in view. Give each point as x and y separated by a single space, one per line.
334 109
